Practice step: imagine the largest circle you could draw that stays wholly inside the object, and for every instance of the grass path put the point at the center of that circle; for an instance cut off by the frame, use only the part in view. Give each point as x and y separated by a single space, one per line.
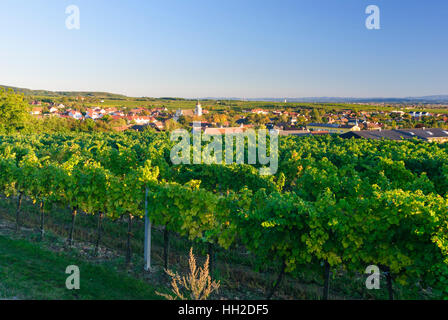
30 272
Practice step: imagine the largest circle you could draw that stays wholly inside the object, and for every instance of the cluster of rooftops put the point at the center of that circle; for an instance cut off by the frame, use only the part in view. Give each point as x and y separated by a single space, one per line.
428 134
332 125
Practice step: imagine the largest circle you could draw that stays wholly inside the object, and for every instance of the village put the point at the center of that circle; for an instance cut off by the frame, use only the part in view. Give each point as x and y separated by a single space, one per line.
300 121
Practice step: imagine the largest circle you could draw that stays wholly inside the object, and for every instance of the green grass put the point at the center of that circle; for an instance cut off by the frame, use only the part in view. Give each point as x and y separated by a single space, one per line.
30 272
235 268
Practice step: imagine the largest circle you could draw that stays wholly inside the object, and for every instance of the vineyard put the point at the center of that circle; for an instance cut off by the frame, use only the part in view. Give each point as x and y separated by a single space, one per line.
334 205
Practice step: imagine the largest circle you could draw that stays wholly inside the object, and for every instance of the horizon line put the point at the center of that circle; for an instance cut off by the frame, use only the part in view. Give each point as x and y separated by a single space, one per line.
236 98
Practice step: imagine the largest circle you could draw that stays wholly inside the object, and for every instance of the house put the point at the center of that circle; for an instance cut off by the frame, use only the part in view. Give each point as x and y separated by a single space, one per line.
141 119
319 133
332 127
419 114
74 114
259 111
294 132
430 135
162 109
137 111
371 126
200 125
177 115
100 111
157 125
93 114
36 111
220 131
353 121
117 113
186 113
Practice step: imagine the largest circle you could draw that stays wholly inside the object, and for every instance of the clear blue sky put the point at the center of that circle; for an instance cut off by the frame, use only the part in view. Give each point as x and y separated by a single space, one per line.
227 48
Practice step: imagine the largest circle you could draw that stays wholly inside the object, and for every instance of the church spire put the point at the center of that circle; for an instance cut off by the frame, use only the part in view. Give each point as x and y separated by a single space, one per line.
198 110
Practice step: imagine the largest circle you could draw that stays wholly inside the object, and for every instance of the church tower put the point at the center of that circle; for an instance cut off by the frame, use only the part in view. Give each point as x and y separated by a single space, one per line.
198 110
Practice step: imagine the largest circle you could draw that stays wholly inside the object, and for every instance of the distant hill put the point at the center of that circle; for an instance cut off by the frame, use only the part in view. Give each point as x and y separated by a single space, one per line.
435 99
46 93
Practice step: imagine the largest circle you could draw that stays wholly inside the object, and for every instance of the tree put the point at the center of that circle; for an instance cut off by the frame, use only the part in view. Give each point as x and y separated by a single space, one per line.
317 115
171 125
14 112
